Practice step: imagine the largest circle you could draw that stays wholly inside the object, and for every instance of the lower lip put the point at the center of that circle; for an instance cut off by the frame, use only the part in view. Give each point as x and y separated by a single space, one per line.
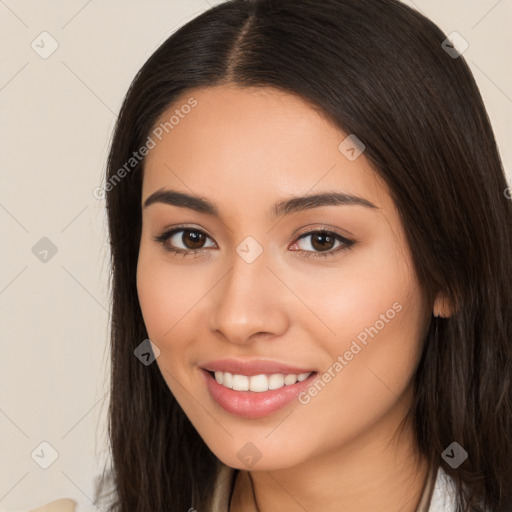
251 404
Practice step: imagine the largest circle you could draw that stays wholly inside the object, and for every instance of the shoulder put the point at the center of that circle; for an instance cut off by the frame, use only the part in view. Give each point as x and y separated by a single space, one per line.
104 492
60 505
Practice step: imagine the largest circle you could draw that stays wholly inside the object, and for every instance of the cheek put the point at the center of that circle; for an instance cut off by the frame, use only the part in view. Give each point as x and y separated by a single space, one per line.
372 308
165 298
378 323
155 303
166 294
350 297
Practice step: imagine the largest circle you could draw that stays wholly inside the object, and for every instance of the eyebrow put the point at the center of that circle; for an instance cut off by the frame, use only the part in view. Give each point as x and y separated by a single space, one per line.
280 209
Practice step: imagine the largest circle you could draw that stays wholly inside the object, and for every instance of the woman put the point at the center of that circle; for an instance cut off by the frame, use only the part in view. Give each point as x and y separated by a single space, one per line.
308 219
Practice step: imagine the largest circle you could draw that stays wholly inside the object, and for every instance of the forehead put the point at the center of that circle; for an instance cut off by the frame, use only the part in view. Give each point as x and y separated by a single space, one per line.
257 141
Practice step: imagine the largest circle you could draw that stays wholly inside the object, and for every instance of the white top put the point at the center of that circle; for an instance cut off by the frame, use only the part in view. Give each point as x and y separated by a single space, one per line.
443 495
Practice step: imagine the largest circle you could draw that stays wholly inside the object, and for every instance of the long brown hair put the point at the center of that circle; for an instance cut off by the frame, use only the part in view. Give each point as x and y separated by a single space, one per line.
378 69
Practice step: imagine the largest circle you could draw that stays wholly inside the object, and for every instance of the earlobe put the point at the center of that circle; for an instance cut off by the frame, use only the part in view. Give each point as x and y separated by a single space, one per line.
442 306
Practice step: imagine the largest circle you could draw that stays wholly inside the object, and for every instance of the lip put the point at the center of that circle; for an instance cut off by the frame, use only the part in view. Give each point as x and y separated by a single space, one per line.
252 405
253 367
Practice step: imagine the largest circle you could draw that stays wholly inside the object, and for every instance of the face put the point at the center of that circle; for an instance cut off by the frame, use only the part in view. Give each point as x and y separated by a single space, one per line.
320 286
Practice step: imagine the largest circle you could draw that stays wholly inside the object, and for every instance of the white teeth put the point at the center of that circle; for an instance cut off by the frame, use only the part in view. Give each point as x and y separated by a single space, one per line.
276 381
258 383
227 380
240 382
290 379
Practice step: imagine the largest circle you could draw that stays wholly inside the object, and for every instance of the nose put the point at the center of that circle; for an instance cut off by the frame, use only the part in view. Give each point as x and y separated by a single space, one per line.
250 302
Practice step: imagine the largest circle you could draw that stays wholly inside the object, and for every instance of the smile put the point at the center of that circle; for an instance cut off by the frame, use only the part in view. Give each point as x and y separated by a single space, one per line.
255 396
258 383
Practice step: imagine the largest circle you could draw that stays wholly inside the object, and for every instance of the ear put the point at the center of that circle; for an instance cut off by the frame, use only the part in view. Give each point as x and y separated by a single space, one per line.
442 306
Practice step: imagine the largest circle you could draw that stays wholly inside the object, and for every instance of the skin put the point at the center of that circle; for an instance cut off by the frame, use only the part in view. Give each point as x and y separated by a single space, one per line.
244 150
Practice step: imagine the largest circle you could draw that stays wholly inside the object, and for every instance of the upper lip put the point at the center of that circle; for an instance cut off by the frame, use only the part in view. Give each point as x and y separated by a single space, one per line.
252 367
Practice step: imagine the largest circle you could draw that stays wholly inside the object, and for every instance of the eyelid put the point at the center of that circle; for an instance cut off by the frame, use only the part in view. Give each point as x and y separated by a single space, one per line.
324 227
310 228
346 243
168 233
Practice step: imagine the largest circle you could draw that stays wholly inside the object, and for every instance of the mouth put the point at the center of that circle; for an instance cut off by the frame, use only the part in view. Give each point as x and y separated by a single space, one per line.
255 396
259 383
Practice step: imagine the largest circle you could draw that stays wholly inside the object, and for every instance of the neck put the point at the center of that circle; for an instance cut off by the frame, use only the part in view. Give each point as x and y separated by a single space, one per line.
375 471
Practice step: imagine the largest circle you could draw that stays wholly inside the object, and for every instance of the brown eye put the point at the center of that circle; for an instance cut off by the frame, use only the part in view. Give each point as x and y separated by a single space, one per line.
320 240
322 243
193 239
183 241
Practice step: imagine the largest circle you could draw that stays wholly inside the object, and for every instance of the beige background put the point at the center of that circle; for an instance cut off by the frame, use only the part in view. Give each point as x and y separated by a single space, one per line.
57 117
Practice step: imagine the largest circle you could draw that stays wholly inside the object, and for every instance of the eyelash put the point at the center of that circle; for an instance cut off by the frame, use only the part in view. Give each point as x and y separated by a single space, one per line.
347 244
